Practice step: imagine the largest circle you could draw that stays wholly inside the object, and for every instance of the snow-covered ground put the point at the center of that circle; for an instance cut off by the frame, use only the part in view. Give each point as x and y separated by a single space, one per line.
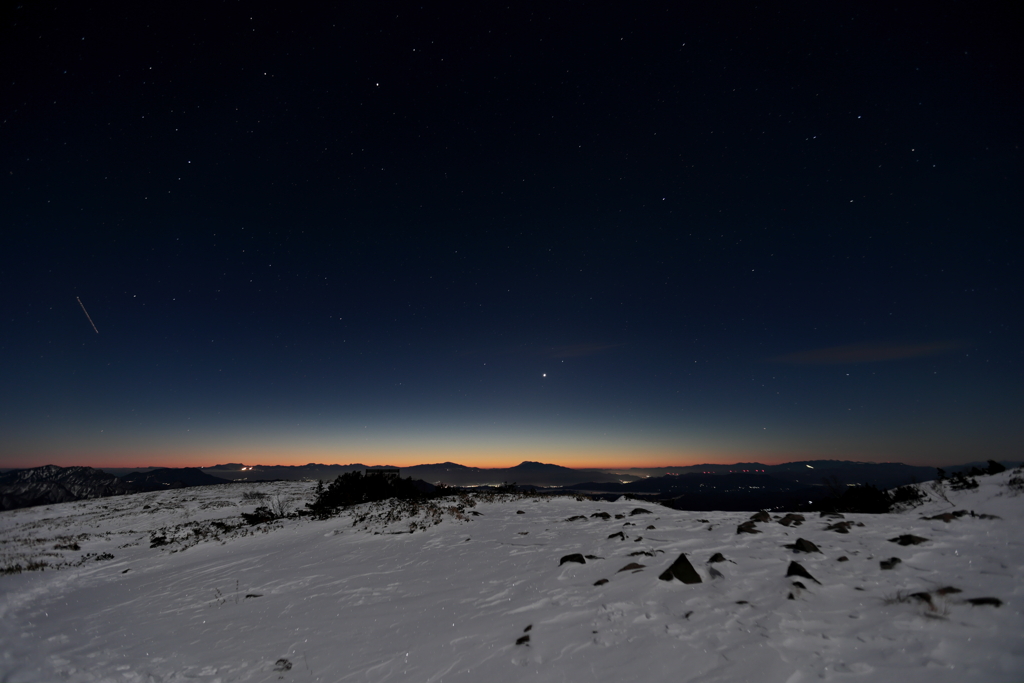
352 599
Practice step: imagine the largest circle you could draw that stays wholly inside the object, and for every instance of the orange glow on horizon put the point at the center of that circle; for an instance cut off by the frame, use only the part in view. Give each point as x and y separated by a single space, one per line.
612 458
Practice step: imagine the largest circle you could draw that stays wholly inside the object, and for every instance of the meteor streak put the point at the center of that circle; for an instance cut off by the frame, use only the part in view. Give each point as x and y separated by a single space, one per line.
87 315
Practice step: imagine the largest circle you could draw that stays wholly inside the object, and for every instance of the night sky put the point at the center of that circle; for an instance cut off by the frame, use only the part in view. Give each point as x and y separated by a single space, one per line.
576 233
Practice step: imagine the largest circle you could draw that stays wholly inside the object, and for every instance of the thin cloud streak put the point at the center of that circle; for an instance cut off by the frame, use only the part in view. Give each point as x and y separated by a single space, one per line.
865 353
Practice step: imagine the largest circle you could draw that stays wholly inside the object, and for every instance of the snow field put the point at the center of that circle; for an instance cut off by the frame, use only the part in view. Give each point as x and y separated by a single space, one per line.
304 600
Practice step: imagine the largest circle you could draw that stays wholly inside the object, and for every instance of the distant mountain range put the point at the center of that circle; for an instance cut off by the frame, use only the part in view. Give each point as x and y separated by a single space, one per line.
742 486
811 473
453 474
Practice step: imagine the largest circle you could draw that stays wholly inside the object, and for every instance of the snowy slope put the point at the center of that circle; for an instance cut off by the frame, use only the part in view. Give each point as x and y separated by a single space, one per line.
348 600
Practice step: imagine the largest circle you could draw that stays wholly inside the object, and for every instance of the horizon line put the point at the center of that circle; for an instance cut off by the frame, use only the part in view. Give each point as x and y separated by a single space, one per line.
611 469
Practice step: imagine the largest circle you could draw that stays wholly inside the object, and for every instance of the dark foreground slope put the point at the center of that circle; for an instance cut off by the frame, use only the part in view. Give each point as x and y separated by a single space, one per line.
171 477
52 484
735 491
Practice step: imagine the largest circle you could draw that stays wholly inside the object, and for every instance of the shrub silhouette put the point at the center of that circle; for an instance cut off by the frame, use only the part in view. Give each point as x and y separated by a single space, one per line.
259 515
353 488
906 494
993 468
1016 482
275 509
959 482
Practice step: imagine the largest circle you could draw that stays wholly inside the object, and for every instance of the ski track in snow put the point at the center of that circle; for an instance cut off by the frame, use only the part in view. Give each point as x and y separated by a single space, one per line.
340 602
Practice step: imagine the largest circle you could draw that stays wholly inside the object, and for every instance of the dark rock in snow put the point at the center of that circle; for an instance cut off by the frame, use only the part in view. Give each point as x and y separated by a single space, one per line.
803 546
995 602
523 640
799 585
717 557
948 590
843 558
792 519
650 526
575 518
600 582
640 511
890 563
761 516
575 557
631 566
747 528
797 569
681 569
908 539
619 535
601 515
520 512
840 527
593 557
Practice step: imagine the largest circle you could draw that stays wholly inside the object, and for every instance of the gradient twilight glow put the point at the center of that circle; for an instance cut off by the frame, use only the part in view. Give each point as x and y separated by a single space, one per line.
662 235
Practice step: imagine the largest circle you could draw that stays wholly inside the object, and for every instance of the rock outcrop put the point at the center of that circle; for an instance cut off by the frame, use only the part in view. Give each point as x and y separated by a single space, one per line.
681 569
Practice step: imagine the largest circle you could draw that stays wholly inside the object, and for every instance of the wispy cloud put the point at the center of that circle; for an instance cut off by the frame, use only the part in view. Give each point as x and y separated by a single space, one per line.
865 353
